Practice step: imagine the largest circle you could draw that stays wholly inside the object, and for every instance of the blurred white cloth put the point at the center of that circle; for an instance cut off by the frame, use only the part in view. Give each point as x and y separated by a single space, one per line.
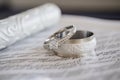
28 60
17 27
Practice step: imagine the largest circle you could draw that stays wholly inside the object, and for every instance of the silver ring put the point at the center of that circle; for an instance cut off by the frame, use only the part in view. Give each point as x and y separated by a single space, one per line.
82 43
59 37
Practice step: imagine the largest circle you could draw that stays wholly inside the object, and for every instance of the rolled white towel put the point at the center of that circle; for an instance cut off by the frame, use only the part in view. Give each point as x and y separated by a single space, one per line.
19 26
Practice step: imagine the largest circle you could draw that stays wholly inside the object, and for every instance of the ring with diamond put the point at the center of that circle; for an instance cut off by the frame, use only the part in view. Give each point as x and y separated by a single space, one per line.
79 43
59 37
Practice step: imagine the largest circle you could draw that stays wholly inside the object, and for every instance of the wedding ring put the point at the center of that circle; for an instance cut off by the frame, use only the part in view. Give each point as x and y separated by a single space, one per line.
82 43
59 37
68 42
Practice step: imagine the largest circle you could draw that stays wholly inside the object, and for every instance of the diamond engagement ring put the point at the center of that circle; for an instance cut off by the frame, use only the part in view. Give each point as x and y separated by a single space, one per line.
58 38
68 42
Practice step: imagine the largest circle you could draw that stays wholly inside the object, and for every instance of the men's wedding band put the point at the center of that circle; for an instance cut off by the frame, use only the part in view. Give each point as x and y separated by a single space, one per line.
82 43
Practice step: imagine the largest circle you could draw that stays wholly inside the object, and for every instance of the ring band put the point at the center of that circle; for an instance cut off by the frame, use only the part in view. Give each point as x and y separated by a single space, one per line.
82 43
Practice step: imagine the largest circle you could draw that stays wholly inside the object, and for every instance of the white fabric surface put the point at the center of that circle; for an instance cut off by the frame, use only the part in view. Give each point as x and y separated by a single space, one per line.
27 60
